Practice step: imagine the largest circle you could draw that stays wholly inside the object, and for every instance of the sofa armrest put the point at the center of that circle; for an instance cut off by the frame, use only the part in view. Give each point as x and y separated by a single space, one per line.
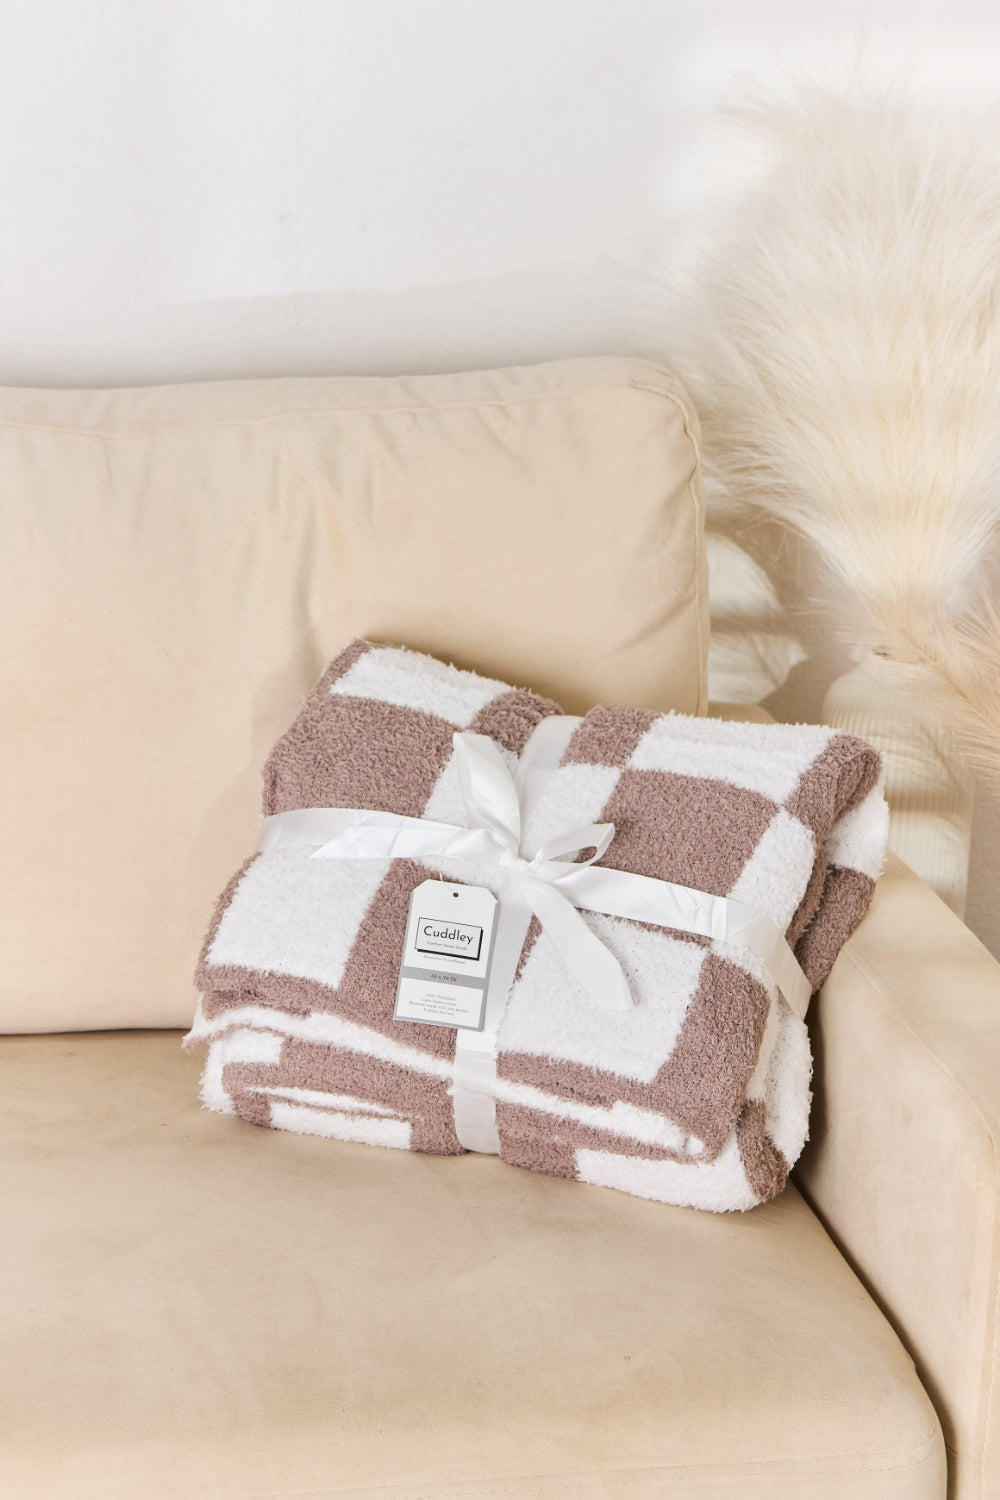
902 1167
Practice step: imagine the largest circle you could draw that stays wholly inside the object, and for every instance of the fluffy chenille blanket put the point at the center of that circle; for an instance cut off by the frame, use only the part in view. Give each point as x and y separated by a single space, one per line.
700 1094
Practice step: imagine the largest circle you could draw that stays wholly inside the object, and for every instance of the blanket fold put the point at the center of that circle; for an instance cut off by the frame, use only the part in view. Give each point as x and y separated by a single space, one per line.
700 1094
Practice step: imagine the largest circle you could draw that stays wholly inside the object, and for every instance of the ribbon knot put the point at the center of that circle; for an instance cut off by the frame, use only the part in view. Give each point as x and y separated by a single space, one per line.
492 803
516 863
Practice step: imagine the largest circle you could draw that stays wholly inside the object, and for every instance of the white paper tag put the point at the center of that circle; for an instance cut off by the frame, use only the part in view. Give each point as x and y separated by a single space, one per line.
446 955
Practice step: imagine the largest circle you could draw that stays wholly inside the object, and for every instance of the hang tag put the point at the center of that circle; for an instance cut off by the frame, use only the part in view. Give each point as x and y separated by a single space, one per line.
446 956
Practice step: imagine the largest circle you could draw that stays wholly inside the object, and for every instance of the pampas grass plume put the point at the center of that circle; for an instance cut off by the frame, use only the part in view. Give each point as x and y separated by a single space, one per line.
846 368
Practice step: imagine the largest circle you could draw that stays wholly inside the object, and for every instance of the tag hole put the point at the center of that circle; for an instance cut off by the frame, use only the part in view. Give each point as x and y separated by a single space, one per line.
455 894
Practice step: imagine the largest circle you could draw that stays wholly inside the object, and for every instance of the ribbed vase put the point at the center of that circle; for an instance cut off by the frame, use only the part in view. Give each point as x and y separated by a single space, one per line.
928 788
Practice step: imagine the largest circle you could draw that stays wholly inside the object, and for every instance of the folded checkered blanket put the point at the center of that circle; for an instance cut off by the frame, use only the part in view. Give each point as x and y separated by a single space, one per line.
697 1096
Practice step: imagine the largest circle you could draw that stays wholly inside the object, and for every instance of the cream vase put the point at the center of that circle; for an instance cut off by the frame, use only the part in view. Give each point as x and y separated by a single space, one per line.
929 790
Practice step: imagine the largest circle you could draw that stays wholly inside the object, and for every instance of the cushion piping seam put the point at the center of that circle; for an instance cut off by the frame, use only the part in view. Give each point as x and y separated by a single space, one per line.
698 515
650 1472
627 384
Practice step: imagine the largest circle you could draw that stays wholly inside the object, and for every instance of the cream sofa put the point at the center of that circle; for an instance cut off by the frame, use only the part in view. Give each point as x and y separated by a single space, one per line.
197 1309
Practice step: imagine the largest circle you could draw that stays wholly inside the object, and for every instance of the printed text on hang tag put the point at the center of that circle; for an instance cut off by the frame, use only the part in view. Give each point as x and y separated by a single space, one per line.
446 955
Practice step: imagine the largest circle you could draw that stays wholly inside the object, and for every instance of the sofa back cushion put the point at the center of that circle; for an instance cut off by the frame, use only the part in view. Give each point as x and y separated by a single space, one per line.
180 564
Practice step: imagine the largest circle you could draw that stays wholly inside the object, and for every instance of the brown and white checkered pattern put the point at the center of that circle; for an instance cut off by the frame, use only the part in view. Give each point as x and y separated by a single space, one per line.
700 1094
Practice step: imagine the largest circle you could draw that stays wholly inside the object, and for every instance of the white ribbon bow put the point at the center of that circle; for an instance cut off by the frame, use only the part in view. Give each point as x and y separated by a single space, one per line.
492 804
491 800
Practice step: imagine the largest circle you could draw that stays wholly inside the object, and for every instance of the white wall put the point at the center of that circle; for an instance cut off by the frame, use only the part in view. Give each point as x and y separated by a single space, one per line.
206 188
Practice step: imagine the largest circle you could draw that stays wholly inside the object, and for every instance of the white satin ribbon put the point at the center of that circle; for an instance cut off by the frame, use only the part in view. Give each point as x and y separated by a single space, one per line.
548 884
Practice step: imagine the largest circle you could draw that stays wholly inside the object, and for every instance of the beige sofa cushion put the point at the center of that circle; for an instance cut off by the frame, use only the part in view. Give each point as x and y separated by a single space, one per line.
192 1306
180 564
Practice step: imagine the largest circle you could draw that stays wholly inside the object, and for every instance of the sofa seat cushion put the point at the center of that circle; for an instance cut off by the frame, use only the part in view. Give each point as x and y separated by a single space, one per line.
198 1309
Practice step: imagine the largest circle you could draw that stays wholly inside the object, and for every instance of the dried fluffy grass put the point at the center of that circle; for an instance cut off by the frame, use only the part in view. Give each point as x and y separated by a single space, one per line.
846 367
965 656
